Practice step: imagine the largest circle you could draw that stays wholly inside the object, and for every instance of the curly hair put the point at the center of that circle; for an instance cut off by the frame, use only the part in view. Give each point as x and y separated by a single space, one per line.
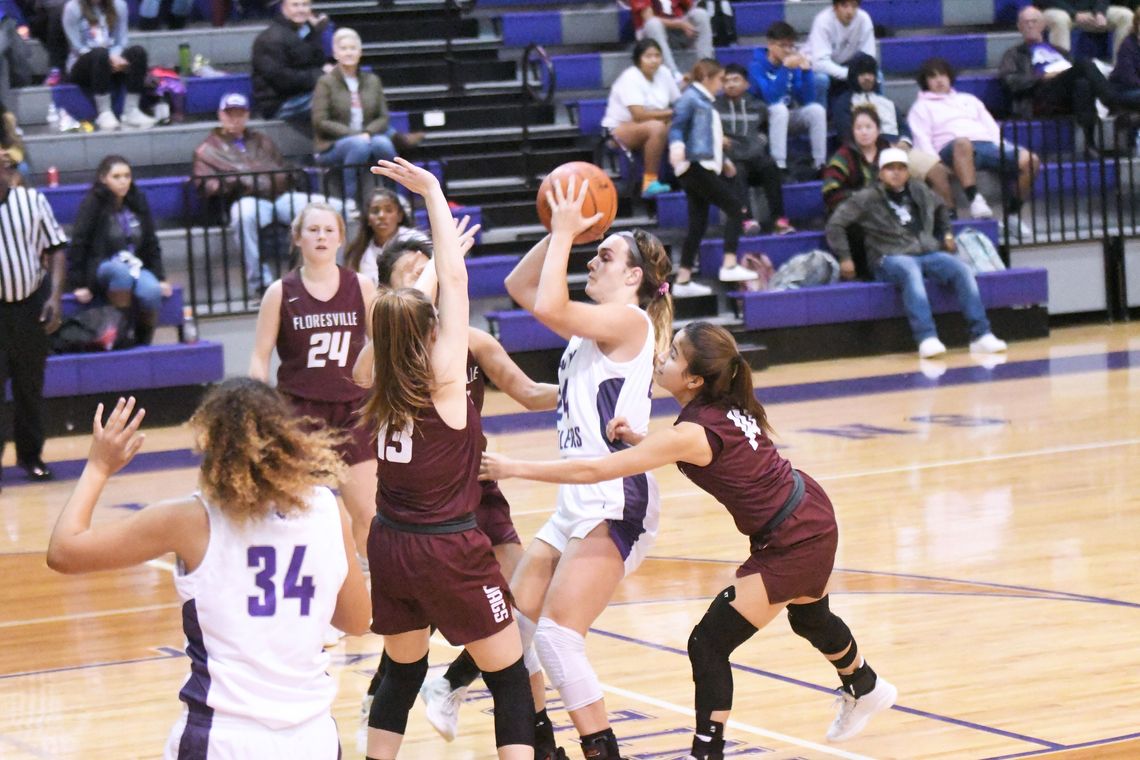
656 266
403 323
713 356
258 456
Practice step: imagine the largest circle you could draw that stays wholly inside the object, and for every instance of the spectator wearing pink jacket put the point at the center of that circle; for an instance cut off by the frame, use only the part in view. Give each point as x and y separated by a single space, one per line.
957 127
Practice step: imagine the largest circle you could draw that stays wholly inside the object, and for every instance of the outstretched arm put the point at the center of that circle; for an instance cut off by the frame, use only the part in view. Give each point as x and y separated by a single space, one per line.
508 376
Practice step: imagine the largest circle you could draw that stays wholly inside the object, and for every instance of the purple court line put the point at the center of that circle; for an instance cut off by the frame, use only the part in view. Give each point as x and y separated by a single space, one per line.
816 687
147 461
1082 745
864 386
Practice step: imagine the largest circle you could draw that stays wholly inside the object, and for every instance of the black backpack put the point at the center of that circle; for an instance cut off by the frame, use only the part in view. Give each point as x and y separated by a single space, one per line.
99 328
723 22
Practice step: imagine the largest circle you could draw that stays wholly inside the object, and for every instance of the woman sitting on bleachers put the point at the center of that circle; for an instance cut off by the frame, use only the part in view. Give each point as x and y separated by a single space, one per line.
100 59
639 110
1125 77
388 221
11 142
851 168
114 250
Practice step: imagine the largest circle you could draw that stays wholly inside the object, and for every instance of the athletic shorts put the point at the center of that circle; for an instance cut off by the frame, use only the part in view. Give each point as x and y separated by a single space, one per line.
449 580
230 738
342 416
987 155
799 559
632 538
493 515
920 163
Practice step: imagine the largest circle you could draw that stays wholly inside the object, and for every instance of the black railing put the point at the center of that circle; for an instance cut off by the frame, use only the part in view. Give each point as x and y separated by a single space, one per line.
538 85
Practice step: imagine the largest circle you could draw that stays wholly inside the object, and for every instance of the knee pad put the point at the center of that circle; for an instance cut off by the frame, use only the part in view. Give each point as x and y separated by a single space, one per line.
526 632
514 706
563 656
720 631
823 628
396 694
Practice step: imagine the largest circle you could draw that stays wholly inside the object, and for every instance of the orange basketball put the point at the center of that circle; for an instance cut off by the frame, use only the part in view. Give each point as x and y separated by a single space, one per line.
601 197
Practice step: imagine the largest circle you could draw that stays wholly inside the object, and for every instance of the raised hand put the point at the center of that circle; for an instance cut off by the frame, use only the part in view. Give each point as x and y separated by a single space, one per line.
115 443
413 177
466 236
566 208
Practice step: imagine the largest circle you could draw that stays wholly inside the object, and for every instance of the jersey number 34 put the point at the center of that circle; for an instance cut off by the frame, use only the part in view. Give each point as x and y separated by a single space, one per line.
264 560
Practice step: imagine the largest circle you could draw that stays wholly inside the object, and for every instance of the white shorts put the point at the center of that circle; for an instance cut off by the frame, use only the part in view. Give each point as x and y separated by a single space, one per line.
230 738
633 529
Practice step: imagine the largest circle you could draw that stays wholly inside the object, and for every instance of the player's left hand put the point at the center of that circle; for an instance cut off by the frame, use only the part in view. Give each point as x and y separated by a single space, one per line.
466 235
494 467
415 178
566 208
115 443
50 315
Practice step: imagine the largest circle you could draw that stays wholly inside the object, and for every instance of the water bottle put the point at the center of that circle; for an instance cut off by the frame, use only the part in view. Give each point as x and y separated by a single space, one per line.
52 117
189 325
184 59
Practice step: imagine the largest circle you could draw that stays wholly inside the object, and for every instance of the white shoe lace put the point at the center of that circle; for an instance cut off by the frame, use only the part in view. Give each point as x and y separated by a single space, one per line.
844 704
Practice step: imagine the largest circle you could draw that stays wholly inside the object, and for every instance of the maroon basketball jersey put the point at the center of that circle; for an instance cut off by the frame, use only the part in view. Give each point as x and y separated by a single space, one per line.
430 473
747 475
318 341
476 385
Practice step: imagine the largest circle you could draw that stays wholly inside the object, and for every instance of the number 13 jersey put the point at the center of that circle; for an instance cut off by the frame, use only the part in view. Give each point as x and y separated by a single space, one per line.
318 341
255 612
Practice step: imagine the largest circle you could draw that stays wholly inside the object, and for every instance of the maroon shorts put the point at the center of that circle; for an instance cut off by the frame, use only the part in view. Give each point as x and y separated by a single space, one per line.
342 416
799 559
493 515
449 580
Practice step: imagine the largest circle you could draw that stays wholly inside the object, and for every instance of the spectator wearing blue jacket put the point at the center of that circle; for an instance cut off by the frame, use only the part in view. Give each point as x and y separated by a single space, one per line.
782 77
696 151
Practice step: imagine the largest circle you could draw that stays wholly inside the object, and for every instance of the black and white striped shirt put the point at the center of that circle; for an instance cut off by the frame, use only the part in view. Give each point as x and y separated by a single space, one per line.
27 229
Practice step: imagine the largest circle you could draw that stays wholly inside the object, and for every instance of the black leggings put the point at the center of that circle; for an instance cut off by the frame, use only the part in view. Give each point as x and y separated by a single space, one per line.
703 188
761 172
92 71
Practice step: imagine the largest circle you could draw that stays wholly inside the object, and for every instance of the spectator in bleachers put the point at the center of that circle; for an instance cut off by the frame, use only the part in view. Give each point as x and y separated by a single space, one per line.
151 16
46 24
673 24
350 117
957 127
100 60
288 59
114 250
782 78
389 221
1088 16
744 118
258 199
1043 80
14 69
1125 76
696 151
639 110
862 82
12 144
837 34
907 235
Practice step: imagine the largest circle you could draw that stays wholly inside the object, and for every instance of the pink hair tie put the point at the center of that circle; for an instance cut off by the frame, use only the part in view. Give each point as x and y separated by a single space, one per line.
663 289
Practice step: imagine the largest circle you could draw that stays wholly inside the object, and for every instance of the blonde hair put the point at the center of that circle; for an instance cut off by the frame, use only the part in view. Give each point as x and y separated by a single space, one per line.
650 256
258 456
299 220
403 323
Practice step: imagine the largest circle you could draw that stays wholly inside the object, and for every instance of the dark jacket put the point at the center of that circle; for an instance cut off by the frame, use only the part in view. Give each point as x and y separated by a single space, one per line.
1126 74
745 123
91 236
883 235
218 155
889 113
284 64
1020 80
332 108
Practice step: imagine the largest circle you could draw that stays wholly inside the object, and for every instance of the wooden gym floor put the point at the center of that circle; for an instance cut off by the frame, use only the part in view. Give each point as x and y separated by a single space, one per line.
990 530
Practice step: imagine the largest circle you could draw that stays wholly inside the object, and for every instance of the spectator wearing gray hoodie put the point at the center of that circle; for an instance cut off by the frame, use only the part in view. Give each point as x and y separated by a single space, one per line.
837 34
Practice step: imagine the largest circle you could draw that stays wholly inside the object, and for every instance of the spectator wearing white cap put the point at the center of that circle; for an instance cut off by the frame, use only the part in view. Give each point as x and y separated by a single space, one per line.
244 169
907 235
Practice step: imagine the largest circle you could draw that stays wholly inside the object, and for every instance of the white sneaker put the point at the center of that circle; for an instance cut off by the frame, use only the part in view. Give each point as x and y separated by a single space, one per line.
689 289
930 347
988 344
853 714
979 209
1017 228
736 273
105 122
136 119
362 730
443 705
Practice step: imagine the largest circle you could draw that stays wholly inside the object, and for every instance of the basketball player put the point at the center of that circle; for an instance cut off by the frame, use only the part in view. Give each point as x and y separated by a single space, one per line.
264 563
315 316
430 563
598 533
720 441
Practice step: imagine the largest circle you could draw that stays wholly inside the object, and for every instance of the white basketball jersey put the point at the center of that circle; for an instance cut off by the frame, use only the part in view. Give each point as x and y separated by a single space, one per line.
255 614
592 390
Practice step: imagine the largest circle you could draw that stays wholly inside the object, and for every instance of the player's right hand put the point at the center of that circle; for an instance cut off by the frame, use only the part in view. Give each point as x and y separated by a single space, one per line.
115 443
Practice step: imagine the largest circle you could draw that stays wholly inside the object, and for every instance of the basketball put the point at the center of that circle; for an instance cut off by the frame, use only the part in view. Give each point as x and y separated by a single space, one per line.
601 197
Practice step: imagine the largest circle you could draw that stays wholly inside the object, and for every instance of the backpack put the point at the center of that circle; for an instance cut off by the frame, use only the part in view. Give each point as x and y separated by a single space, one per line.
805 270
723 21
978 252
99 328
762 266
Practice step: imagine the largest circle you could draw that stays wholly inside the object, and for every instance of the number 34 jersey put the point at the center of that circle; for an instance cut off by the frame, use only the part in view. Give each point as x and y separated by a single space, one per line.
318 341
255 612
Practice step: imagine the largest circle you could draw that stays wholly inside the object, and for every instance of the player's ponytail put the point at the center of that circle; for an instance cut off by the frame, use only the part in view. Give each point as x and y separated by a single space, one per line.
648 254
713 356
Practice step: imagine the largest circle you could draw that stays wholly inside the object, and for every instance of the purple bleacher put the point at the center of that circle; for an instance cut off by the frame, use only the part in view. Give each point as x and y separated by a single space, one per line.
518 330
1047 137
906 54
475 212
590 114
755 18
540 27
988 89
578 72
905 14
1074 176
164 194
487 275
864 301
169 314
802 200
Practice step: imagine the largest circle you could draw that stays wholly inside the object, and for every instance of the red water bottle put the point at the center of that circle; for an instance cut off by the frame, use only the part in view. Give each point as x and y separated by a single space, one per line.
53 176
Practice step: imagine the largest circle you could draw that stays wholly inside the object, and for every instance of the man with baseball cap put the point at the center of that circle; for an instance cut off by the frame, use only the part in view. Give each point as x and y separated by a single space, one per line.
258 189
907 234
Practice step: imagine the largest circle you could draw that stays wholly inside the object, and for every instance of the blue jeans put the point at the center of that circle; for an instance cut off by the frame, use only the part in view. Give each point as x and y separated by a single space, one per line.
357 151
150 8
115 275
298 105
250 214
987 155
906 273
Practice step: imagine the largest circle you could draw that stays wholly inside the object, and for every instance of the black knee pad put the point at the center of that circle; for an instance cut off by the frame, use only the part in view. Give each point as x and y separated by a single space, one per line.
514 705
720 631
396 694
823 628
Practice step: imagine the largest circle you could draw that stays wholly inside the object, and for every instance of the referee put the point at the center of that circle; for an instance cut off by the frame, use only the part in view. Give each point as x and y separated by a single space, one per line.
29 312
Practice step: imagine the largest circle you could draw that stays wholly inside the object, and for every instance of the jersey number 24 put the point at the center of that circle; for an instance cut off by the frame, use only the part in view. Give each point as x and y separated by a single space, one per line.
327 347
